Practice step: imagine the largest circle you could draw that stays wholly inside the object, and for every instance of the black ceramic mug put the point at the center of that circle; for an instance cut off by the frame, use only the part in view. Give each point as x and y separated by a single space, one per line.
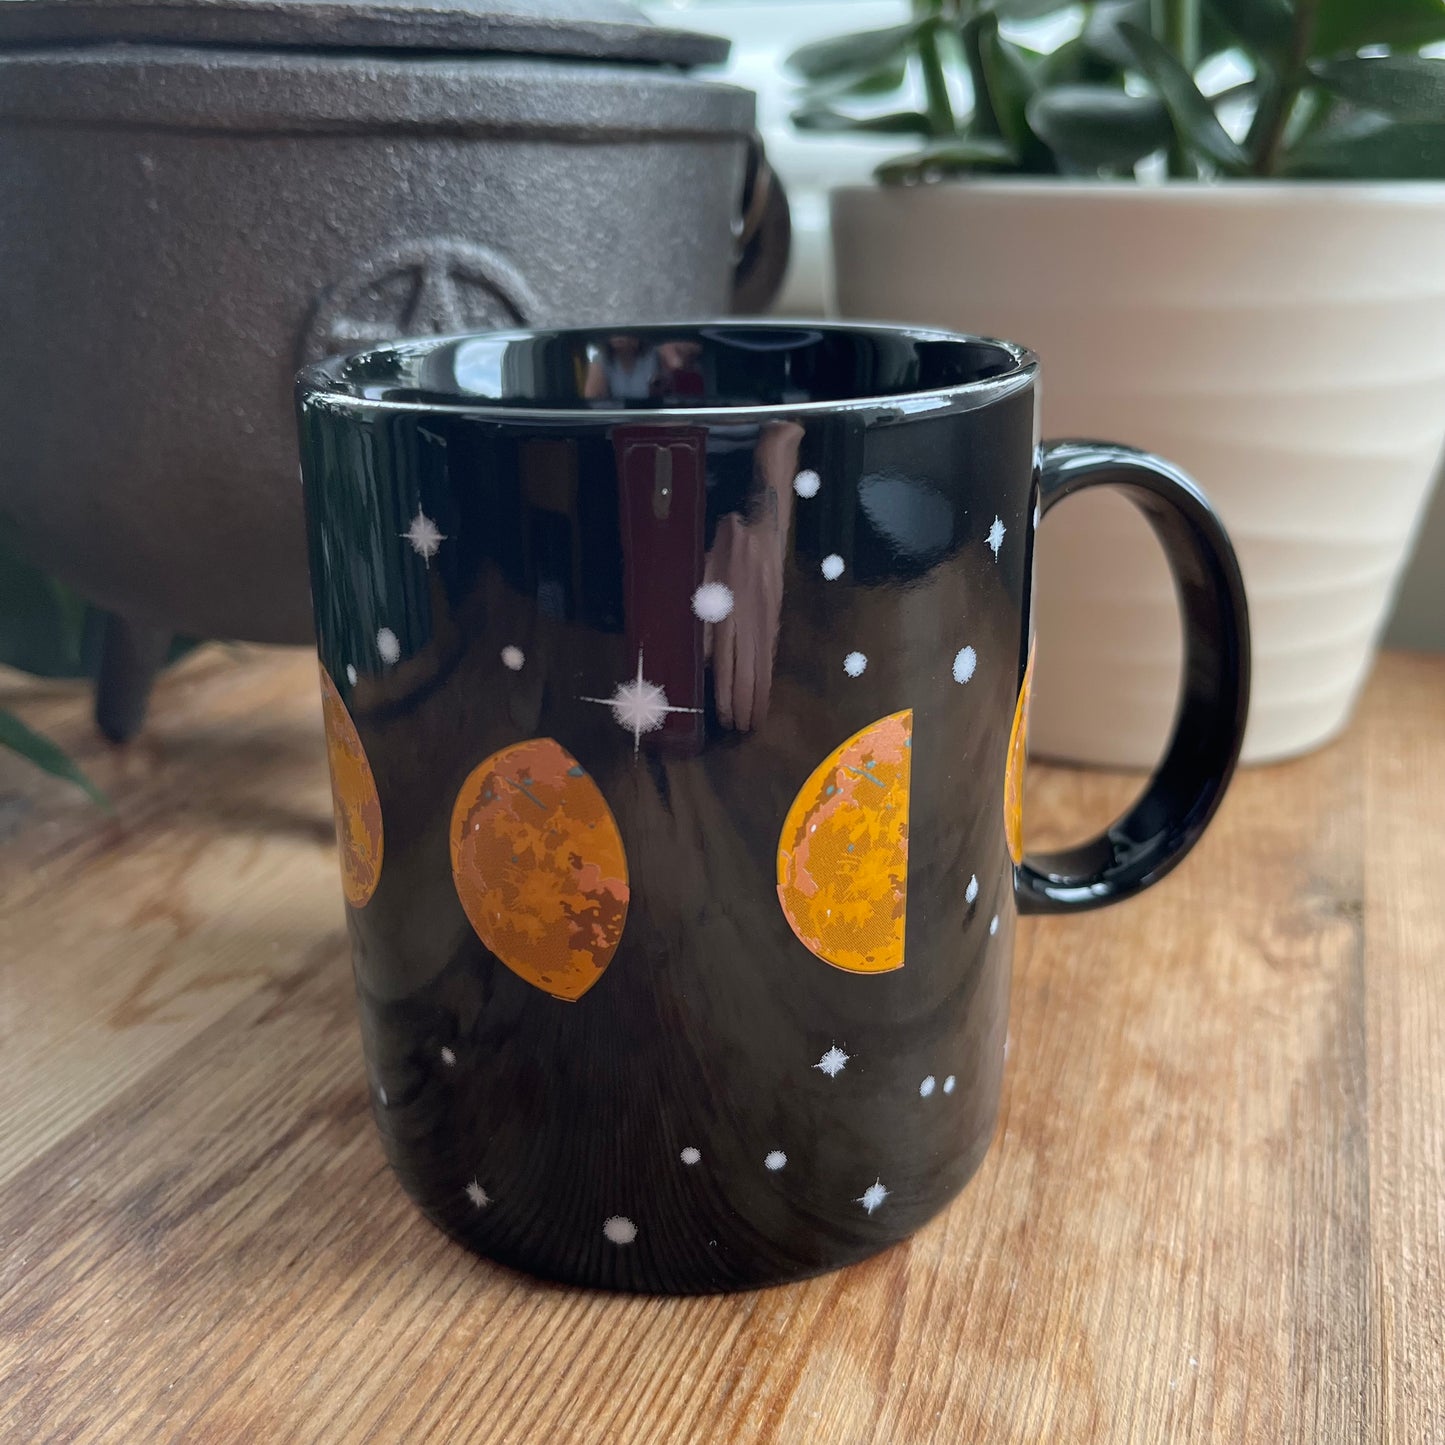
676 683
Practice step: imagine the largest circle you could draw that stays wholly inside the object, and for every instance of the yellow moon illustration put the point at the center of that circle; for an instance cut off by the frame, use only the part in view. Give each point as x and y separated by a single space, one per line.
843 852
539 866
353 799
1013 780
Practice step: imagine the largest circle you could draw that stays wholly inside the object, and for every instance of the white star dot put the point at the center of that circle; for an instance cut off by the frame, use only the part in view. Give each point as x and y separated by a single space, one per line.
832 566
448 1057
775 1160
971 892
690 1155
639 706
619 1229
513 658
995 536
387 645
806 483
479 1196
993 925
926 1087
855 664
872 1196
949 1083
713 601
424 537
351 673
833 1062
965 660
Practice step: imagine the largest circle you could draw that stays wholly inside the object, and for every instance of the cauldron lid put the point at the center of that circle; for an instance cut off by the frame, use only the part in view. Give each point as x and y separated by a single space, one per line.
580 29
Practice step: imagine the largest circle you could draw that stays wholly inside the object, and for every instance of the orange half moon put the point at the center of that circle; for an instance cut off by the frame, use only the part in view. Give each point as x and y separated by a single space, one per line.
353 799
843 852
1013 779
539 867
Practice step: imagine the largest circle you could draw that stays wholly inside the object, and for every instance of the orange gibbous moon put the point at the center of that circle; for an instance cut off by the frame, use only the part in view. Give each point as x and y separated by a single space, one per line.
539 866
843 852
1013 781
353 799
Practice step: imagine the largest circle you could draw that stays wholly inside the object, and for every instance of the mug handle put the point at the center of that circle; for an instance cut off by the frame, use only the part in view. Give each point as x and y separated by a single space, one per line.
1140 847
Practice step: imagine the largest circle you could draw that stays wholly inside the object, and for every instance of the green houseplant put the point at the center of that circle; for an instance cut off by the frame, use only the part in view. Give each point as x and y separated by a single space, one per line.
1221 224
1336 89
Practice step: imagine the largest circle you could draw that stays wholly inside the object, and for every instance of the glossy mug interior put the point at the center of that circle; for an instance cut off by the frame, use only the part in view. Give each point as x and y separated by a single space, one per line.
676 685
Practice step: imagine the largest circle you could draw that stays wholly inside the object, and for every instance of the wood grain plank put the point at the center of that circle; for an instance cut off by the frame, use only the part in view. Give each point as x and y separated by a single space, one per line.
1405 1031
111 935
1213 1209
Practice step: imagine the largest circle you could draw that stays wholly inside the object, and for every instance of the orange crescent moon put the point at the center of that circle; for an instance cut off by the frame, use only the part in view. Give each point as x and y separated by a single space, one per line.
843 851
354 800
1013 781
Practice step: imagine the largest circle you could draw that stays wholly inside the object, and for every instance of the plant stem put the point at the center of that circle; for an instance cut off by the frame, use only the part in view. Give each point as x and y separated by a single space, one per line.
941 122
1267 128
1277 98
1175 24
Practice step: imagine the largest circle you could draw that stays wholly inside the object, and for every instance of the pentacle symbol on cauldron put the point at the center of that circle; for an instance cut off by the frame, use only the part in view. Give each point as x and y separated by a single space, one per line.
430 287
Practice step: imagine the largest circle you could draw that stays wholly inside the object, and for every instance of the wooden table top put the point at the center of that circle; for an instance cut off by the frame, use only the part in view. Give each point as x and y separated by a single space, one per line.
1214 1209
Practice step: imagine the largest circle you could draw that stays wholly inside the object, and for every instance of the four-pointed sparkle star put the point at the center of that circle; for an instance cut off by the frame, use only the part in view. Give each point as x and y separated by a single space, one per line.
872 1196
424 535
833 1062
995 536
639 706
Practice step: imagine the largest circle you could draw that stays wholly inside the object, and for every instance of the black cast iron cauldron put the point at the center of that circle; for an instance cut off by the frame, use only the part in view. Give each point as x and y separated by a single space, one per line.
198 197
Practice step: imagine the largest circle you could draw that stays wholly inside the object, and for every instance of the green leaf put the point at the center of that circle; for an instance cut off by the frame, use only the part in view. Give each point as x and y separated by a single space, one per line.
1075 63
864 50
1408 87
947 157
883 81
1097 126
1214 35
824 118
984 121
1346 25
1101 34
39 750
1193 116
1010 74
1103 19
42 622
1022 9
1370 147
1265 26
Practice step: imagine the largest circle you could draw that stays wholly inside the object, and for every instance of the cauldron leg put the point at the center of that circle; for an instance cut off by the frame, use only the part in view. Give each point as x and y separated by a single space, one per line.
131 654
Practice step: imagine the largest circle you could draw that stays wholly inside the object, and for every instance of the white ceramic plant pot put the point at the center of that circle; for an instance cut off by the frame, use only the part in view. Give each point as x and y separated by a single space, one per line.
1283 343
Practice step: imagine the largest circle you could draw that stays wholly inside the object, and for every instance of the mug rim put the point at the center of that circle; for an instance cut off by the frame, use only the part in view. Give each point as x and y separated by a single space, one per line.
320 384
